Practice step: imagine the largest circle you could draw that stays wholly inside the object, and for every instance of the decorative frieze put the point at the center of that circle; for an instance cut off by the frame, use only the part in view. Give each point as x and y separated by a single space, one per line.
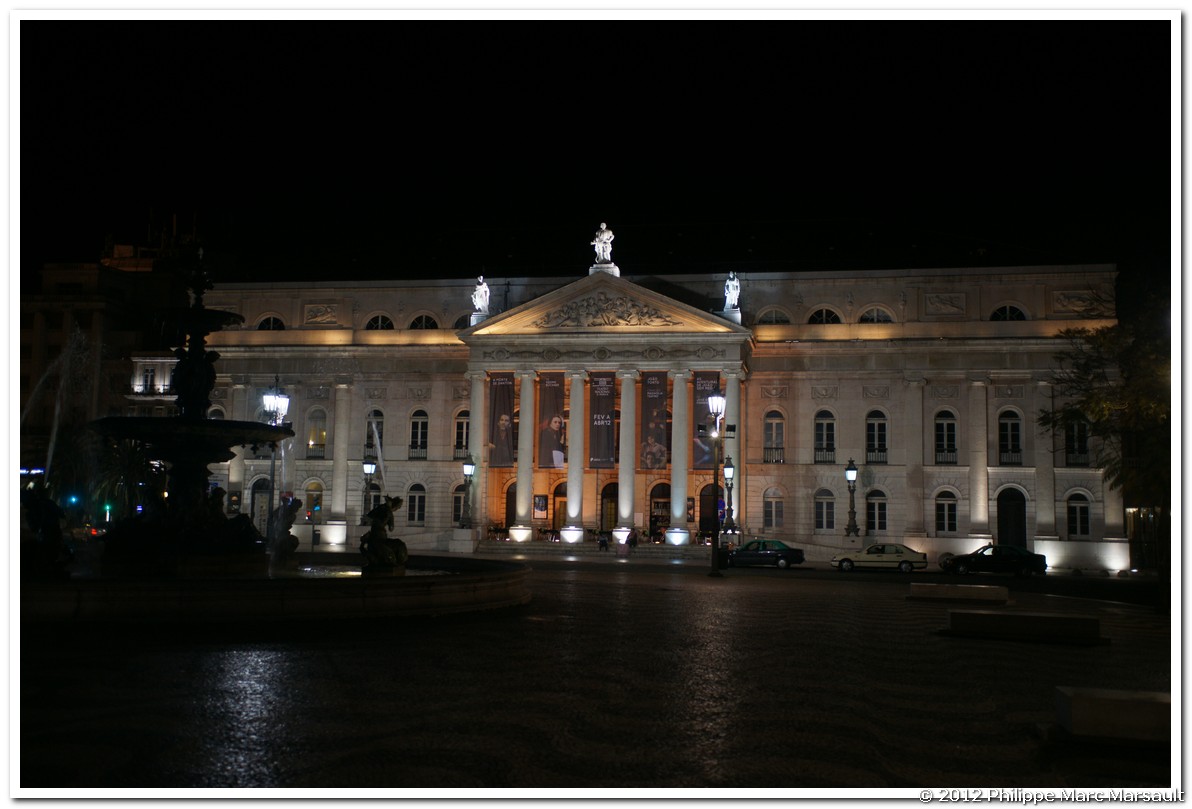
319 393
319 314
1007 391
461 391
1072 303
945 391
823 391
219 393
377 393
775 391
420 393
944 303
602 309
875 391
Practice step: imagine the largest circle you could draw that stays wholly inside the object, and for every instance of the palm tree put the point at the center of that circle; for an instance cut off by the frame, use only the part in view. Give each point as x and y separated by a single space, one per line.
127 477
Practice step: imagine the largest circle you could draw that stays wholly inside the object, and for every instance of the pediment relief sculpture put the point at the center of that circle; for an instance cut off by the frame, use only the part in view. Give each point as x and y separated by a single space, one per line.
602 309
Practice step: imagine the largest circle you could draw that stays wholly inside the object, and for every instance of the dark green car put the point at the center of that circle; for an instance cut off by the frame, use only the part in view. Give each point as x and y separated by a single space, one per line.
765 552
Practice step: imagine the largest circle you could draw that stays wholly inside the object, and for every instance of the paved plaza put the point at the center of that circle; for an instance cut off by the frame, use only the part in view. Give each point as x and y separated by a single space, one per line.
620 677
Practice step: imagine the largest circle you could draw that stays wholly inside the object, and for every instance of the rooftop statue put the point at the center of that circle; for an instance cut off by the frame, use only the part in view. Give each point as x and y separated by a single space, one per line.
603 244
480 296
732 291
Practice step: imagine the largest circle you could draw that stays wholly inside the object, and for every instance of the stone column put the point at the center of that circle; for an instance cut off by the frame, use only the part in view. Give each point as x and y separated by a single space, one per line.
914 440
1115 511
340 452
678 533
525 451
1044 471
477 423
627 461
978 439
236 465
732 446
576 437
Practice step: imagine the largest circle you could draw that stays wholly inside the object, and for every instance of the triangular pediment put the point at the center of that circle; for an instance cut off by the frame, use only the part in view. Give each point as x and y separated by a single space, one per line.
601 304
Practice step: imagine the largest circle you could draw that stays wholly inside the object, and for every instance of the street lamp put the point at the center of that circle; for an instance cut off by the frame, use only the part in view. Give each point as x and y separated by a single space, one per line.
369 468
716 404
276 405
465 516
729 474
850 474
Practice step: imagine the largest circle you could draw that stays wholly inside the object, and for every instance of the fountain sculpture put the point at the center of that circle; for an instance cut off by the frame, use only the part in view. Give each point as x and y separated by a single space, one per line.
191 532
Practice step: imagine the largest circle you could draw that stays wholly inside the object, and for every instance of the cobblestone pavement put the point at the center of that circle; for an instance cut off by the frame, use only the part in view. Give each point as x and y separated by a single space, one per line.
616 679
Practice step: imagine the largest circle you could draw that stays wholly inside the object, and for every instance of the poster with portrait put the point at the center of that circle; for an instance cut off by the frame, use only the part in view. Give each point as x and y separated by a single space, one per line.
602 404
654 451
552 436
540 506
702 444
500 420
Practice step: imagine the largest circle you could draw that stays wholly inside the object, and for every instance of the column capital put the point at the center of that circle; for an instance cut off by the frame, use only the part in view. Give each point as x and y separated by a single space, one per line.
684 373
979 382
522 375
628 373
573 375
738 373
476 376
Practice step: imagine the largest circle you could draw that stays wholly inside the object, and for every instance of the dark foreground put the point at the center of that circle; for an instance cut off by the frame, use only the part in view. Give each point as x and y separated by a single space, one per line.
615 676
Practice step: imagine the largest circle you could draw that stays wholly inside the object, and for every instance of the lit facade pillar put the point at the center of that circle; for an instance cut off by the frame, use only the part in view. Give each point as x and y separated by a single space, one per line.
915 440
340 452
476 492
236 411
978 439
627 459
576 436
678 533
1044 472
525 450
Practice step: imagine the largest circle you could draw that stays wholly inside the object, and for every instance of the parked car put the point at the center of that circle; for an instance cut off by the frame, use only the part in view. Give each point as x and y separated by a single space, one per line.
886 555
765 552
997 559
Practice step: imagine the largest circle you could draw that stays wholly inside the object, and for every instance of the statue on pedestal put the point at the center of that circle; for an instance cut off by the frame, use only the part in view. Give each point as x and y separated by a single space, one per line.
480 296
603 244
732 291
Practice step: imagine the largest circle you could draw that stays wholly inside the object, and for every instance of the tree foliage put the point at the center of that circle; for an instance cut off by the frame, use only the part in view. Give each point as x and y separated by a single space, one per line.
1117 379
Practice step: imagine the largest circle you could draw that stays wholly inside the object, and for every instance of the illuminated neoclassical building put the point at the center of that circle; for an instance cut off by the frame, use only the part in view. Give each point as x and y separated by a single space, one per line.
583 401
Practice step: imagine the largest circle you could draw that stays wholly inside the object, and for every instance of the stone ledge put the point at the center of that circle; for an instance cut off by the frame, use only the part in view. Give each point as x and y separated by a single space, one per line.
1110 715
1077 630
959 592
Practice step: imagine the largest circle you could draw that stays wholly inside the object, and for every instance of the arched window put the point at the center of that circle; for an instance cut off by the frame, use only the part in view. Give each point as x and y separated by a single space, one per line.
312 503
825 510
945 513
416 505
825 437
875 437
372 499
271 324
875 511
424 322
457 504
216 413
823 316
773 317
419 428
316 433
775 438
374 434
463 321
1009 439
772 509
1076 443
462 428
945 437
1078 517
1007 313
875 314
378 323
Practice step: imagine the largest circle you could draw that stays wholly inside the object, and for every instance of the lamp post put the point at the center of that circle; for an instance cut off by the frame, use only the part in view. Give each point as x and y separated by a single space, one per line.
850 474
716 404
276 405
729 474
369 468
465 515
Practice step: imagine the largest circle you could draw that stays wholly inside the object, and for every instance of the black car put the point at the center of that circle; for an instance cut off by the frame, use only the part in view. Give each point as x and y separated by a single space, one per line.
997 559
765 552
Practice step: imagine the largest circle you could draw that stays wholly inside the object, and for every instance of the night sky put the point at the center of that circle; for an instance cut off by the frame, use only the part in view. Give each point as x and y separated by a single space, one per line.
337 150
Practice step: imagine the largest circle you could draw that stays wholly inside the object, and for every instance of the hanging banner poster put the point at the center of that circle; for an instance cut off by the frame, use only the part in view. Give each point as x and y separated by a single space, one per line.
500 419
702 446
655 446
551 435
602 403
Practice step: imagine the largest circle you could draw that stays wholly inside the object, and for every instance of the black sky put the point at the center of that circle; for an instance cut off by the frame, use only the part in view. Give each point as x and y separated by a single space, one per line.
332 150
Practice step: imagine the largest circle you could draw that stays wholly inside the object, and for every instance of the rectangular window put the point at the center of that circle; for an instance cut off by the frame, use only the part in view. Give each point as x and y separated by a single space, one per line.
825 515
875 515
416 511
1078 519
772 514
945 517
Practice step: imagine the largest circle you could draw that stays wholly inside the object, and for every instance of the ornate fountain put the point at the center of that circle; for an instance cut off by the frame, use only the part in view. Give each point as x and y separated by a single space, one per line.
190 529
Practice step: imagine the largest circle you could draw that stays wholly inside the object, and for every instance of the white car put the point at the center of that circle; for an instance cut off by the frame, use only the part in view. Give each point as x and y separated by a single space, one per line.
883 555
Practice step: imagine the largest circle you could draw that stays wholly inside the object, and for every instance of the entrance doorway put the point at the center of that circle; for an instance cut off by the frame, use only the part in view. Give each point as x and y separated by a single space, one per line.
608 507
659 510
511 506
559 517
260 505
1011 518
710 498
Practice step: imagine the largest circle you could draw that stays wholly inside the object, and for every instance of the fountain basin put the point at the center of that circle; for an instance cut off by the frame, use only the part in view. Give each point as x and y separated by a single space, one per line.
470 585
